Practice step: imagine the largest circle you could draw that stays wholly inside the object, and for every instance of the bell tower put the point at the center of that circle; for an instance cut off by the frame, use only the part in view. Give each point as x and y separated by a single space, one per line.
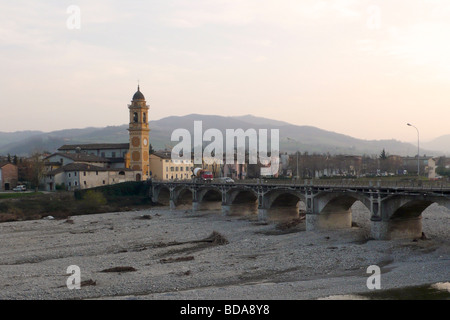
138 131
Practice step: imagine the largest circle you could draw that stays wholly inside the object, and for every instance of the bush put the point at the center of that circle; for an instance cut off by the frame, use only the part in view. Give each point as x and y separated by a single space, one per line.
114 192
95 198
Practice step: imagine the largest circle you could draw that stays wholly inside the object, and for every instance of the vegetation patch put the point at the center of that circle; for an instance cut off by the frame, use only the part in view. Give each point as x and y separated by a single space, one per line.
120 269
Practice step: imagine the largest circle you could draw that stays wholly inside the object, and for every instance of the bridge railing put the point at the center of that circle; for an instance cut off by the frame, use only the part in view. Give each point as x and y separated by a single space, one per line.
333 183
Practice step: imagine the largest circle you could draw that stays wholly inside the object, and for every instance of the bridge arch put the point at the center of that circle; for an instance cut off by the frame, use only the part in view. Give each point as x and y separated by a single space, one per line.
161 194
209 198
404 207
283 204
283 198
330 202
240 195
182 196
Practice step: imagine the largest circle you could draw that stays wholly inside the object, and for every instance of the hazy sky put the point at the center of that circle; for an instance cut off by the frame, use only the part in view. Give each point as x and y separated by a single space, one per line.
359 67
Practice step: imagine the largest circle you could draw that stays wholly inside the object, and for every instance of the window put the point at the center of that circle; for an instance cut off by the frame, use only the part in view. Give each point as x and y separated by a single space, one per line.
145 117
69 175
75 174
96 173
84 174
176 168
171 168
181 168
135 117
76 183
113 154
103 154
70 183
167 176
167 160
103 181
167 168
187 168
84 182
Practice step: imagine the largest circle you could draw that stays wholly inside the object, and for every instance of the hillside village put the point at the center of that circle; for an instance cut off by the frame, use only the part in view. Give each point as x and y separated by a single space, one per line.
83 166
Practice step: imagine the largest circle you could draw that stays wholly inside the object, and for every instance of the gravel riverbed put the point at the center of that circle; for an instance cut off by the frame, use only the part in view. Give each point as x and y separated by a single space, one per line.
163 254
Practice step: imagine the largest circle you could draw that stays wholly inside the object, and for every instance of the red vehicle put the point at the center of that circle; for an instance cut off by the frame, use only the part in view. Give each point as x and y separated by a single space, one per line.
203 175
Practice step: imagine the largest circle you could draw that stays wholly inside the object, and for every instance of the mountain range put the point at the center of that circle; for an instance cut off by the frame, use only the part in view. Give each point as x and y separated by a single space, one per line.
292 137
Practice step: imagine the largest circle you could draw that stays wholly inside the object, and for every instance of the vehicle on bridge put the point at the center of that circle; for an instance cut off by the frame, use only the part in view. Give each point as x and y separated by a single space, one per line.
202 175
226 180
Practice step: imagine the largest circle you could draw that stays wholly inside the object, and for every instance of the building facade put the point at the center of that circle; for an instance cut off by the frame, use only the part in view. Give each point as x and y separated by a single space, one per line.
75 176
162 167
9 176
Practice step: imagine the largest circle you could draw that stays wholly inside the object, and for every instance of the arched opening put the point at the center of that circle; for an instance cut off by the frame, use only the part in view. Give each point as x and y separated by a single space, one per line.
286 206
184 199
164 197
121 173
138 177
211 200
412 209
245 202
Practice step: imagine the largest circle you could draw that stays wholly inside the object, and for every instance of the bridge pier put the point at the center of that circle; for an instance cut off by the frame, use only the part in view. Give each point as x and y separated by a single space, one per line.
263 214
404 228
226 209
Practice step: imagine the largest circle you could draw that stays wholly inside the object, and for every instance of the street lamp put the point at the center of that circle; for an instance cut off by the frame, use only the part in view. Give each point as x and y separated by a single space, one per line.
418 150
297 176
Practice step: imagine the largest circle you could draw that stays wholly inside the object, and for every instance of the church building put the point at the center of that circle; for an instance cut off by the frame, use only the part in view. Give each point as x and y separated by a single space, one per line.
125 161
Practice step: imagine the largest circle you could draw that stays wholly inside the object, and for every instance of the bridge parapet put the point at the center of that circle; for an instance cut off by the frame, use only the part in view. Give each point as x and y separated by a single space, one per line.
397 205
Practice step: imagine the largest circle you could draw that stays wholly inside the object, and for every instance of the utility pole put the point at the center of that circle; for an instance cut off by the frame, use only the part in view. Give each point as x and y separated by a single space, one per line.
418 150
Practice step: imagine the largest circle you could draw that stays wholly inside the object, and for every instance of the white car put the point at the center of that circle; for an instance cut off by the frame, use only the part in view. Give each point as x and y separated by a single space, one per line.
20 188
226 180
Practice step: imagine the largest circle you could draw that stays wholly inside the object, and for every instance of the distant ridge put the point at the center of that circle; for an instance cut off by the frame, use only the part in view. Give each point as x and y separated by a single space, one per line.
292 137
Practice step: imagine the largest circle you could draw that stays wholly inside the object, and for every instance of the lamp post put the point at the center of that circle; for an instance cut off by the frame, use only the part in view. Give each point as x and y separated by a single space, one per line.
296 173
418 150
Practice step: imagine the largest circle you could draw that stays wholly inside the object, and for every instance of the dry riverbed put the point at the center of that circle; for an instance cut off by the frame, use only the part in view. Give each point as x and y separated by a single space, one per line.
163 254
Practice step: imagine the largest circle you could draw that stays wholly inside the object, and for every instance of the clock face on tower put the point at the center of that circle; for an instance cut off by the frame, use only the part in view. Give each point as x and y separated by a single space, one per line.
145 141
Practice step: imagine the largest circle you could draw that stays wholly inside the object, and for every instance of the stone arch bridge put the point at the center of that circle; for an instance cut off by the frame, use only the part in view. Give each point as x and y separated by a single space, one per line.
395 208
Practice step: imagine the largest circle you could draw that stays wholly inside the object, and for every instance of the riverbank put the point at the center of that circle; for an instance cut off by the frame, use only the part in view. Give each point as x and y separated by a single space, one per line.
163 254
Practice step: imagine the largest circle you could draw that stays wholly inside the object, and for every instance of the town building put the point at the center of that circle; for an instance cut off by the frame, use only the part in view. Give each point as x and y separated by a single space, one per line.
162 167
9 176
83 176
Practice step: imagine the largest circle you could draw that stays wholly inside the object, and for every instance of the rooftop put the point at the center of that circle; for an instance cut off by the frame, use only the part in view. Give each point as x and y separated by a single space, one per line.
94 146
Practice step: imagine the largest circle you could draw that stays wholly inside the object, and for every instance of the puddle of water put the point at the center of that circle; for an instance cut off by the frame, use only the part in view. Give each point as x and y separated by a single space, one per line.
436 291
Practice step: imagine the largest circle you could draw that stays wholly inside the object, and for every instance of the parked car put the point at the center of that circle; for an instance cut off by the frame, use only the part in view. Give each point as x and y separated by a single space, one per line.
226 180
20 188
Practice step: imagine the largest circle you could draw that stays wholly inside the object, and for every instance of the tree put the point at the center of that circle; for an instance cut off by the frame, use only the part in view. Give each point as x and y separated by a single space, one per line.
35 170
383 155
15 160
9 158
150 149
442 171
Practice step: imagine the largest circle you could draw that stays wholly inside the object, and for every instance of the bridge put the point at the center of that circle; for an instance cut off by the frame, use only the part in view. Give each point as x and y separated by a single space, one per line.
395 207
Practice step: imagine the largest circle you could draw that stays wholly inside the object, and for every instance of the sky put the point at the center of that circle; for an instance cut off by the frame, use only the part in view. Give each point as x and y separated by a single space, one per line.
358 67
